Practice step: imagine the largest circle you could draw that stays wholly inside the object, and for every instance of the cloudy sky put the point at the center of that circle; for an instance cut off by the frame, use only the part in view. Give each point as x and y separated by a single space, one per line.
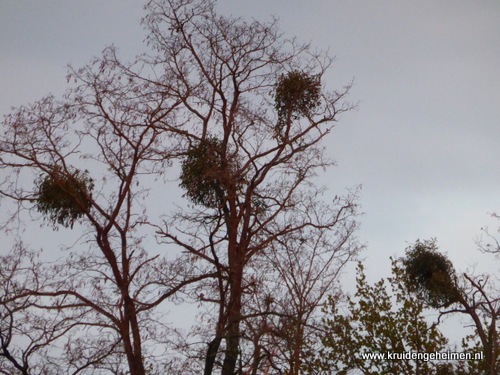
424 141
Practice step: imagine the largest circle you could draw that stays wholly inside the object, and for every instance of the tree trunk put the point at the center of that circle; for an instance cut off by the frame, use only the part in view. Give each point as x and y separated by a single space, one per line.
233 319
213 349
132 338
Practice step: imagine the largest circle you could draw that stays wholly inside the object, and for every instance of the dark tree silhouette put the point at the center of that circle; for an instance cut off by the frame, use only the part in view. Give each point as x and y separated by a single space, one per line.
243 112
432 274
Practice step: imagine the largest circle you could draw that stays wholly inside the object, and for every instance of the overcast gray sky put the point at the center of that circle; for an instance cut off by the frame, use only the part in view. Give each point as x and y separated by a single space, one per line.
424 141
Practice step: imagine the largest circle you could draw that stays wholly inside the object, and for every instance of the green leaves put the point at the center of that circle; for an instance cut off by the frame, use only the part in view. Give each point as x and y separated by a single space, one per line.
296 95
64 197
381 318
203 173
432 274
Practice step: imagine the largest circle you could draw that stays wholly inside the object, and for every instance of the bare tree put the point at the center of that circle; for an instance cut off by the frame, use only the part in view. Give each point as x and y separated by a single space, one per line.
490 244
256 113
300 271
431 273
245 112
23 339
82 160
479 300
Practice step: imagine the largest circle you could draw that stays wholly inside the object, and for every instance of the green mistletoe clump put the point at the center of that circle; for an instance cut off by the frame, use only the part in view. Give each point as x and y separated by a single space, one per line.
64 197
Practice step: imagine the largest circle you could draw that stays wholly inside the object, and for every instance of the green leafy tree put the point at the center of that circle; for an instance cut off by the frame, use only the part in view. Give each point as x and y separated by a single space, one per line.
378 320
